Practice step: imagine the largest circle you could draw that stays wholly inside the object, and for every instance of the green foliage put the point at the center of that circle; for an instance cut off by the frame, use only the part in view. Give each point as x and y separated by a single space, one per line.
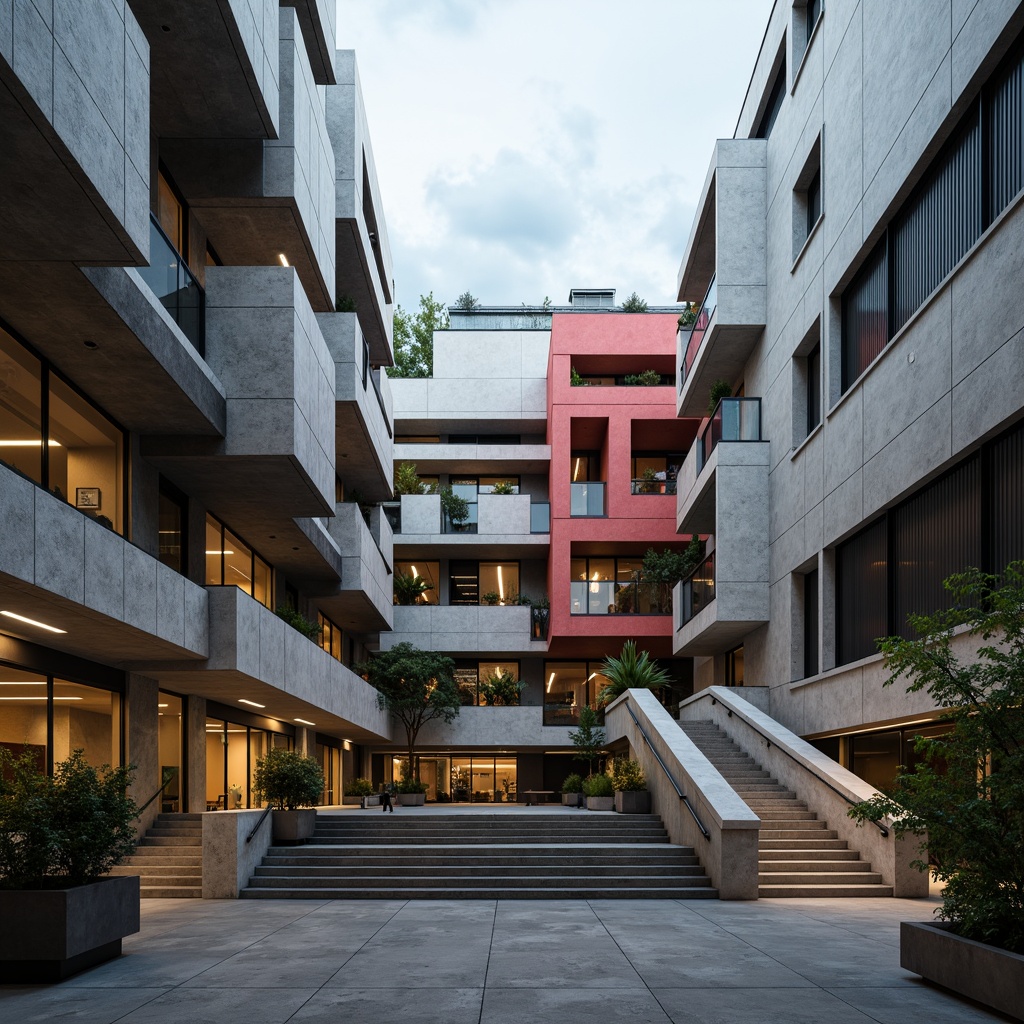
299 622
415 687
631 671
589 738
288 779
575 380
359 787
454 507
634 304
414 338
666 568
408 589
467 302
967 791
719 390
63 831
407 480
492 597
628 776
345 304
502 689
504 487
598 785
688 317
411 786
573 784
646 378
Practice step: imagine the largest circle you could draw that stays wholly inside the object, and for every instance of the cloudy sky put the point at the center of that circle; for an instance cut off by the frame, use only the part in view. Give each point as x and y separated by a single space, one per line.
525 147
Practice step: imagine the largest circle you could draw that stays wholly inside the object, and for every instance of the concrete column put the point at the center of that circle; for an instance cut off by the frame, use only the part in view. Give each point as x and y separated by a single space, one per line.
195 753
141 742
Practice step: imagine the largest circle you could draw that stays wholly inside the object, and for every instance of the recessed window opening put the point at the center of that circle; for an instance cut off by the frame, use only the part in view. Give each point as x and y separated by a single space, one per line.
230 562
776 96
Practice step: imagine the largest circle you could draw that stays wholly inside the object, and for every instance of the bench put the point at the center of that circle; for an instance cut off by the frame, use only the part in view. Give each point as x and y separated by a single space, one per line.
533 794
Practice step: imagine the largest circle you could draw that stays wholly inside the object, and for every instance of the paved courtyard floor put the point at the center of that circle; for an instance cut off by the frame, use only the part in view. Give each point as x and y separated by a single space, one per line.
504 962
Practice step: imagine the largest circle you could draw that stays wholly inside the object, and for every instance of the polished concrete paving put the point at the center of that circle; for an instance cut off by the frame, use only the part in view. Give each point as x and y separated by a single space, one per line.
507 962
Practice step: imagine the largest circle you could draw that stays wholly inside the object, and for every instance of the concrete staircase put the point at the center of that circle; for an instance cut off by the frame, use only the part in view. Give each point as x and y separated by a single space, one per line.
799 855
477 855
169 858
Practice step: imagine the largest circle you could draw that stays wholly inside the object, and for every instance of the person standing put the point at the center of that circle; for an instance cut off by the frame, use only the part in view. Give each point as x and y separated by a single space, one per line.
385 799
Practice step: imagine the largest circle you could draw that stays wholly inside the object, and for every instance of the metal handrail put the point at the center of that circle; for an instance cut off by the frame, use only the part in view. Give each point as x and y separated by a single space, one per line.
881 828
170 778
675 785
263 817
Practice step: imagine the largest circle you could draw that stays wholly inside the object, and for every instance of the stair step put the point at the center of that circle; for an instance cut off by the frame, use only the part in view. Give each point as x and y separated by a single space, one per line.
785 856
163 892
387 870
819 878
576 892
155 870
822 891
150 840
780 868
817 842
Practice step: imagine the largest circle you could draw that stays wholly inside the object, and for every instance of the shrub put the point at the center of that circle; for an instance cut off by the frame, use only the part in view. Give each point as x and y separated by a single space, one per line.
573 784
63 831
634 304
575 380
502 689
719 390
504 487
492 597
628 776
309 629
289 779
408 589
646 378
359 787
598 785
454 507
407 480
411 786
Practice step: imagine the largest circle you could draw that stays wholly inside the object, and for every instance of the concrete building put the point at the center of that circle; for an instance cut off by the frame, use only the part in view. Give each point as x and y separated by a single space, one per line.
568 465
856 259
190 207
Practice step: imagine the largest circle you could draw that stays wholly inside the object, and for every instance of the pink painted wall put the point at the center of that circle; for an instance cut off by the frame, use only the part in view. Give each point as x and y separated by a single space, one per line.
609 343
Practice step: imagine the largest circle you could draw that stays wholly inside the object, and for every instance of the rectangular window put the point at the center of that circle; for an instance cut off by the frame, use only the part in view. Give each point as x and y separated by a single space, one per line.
813 388
330 636
774 102
866 316
21 409
813 13
862 604
655 472
811 631
470 676
1004 135
230 562
170 212
1006 473
173 528
813 202
615 586
488 483
734 667
407 571
569 686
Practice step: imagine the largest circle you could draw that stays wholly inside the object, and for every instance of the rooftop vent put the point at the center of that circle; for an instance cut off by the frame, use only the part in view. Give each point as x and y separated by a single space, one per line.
592 298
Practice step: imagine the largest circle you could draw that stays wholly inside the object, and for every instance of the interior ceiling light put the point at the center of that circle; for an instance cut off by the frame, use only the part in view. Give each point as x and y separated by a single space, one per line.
27 682
501 585
163 705
28 444
284 259
551 679
220 552
32 622
251 703
304 722
40 698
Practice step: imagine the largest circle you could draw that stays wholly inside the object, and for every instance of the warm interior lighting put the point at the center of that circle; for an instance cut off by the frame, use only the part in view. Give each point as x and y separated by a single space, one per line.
551 679
218 552
39 698
595 587
576 471
414 572
29 444
27 682
303 721
251 703
32 622
163 705
501 585
284 259
591 676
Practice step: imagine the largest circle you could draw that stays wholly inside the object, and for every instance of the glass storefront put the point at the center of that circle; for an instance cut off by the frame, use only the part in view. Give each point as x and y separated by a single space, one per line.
232 750
170 739
471 778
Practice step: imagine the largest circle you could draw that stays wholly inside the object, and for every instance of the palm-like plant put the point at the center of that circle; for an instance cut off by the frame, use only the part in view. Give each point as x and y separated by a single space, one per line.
631 671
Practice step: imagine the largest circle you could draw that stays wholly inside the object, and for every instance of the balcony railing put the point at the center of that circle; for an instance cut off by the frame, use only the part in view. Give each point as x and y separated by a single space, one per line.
540 517
645 486
612 597
174 285
587 498
565 714
698 591
393 514
699 329
734 419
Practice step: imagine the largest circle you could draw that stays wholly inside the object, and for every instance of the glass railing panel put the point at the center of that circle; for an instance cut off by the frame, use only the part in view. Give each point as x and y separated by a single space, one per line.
586 498
734 419
645 486
540 517
699 329
698 590
393 514
175 286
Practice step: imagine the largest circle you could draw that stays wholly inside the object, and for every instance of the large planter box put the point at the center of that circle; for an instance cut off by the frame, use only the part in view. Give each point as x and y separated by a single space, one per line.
600 803
294 826
990 975
572 799
633 801
51 934
373 800
412 799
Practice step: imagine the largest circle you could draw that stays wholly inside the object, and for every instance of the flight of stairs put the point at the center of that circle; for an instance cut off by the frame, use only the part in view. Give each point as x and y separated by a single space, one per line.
799 855
169 858
567 855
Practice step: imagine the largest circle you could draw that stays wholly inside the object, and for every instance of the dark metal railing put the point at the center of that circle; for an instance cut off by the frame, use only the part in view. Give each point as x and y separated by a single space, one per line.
698 330
263 817
664 767
653 486
540 619
612 597
170 778
734 419
175 286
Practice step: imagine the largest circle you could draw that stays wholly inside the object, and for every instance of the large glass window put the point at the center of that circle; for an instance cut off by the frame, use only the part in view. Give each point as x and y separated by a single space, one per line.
230 562
569 686
173 527
232 750
430 572
330 636
615 586
470 676
655 472
75 451
476 778
170 739
467 487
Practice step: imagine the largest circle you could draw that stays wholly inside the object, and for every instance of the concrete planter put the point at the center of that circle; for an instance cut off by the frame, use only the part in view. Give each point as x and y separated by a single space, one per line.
412 799
600 803
294 826
54 933
633 801
990 975
572 799
352 801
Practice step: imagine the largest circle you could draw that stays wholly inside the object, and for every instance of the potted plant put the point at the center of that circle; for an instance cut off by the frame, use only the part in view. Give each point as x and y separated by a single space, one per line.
540 616
572 790
631 795
599 791
409 589
460 784
412 792
492 597
59 837
504 487
964 796
360 791
455 509
719 390
293 783
630 671
502 689
407 480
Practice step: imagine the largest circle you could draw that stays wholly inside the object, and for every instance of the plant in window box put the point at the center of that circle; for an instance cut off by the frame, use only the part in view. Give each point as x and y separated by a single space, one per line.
502 689
294 784
309 629
455 509
646 378
409 589
575 380
407 481
631 795
59 837
504 487
492 597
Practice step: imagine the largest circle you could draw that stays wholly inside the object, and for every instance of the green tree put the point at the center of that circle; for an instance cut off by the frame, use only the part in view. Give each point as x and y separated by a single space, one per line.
965 796
467 301
407 480
631 671
415 687
662 570
634 304
588 739
414 338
